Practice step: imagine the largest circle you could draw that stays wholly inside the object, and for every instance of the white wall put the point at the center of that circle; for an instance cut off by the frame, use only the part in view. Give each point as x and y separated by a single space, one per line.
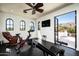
16 19
49 31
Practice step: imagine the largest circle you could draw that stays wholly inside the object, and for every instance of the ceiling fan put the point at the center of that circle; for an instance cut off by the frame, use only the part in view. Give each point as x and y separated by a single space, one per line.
34 7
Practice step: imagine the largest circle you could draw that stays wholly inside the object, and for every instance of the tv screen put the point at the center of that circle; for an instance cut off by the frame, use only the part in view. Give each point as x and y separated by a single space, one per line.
46 23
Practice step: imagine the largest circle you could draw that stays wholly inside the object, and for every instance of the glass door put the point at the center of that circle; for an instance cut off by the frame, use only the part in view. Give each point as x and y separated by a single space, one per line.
65 29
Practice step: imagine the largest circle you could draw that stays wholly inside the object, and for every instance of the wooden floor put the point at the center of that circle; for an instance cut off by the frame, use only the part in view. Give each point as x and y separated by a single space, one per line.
33 51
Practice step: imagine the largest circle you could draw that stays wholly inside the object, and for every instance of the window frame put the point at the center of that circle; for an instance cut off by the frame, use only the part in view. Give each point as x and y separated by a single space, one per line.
23 25
32 27
10 24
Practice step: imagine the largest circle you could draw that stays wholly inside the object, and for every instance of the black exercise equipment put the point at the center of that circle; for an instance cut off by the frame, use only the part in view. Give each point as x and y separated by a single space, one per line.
23 42
45 50
53 51
57 51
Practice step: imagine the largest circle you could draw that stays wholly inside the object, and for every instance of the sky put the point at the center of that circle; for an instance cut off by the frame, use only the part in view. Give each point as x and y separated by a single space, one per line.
66 18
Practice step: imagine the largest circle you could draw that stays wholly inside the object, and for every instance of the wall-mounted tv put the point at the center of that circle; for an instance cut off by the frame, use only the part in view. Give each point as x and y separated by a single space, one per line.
46 23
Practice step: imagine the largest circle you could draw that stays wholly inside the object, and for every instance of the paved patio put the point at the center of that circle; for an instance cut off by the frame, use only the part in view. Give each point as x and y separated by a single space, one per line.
68 39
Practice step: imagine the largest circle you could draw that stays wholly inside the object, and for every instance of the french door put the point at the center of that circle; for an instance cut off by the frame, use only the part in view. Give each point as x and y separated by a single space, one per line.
65 29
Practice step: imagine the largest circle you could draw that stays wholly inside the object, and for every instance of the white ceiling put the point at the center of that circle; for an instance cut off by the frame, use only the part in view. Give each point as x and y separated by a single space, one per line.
17 8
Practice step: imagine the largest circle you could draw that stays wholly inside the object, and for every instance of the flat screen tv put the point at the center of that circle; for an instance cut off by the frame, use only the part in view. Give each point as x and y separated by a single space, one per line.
46 23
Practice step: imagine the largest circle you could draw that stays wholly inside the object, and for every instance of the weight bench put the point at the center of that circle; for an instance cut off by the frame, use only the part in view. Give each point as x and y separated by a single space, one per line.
53 51
57 51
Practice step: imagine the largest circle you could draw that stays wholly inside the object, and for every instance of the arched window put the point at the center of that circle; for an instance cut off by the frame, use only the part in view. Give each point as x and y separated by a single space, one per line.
9 24
38 25
22 25
32 26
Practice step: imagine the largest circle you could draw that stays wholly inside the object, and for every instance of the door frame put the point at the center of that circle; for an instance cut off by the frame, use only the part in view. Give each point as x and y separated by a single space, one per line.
57 28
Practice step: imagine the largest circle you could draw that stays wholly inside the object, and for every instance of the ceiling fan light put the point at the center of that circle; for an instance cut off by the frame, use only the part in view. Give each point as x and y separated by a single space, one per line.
33 4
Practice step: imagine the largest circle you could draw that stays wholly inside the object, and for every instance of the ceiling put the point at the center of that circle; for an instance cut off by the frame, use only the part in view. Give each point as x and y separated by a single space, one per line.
17 8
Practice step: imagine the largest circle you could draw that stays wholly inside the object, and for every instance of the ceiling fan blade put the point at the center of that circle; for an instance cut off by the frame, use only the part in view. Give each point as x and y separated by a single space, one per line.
25 11
38 5
28 9
40 10
33 12
29 4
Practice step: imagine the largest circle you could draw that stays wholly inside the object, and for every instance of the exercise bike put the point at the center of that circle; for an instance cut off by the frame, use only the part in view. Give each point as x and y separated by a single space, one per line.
22 42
